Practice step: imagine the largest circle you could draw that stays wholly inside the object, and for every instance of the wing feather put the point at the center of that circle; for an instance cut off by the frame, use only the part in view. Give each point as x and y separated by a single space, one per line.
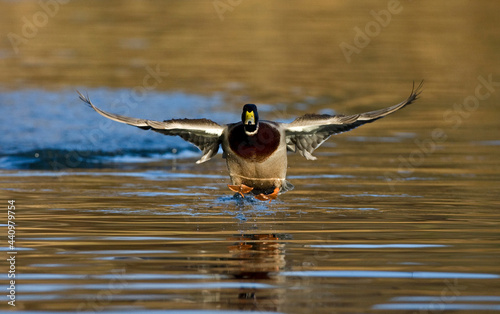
308 132
203 133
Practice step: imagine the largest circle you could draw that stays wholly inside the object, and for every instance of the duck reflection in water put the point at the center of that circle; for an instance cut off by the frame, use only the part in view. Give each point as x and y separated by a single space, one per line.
257 257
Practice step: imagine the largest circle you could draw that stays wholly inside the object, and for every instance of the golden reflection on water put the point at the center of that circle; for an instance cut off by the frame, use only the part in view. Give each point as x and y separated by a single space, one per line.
90 237
261 49
111 239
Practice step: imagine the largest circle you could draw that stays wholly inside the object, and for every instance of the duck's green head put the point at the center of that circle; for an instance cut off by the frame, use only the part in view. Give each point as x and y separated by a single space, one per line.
250 119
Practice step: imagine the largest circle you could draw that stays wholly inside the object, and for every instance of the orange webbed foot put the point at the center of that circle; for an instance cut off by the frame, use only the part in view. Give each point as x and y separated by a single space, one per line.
268 197
242 189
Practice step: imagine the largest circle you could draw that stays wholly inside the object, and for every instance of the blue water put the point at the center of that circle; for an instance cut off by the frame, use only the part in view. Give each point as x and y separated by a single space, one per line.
54 130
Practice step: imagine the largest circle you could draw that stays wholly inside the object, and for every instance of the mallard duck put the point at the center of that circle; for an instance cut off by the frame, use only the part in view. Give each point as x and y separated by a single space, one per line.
256 150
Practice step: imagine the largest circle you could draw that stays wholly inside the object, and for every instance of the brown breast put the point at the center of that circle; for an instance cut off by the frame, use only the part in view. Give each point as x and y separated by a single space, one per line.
258 147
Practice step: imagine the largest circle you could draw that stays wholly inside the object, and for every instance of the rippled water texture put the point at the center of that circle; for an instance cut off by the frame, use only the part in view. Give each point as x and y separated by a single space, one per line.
401 215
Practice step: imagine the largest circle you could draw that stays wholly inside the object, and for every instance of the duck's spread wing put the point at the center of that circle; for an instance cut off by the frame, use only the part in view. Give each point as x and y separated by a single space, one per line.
203 133
308 132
